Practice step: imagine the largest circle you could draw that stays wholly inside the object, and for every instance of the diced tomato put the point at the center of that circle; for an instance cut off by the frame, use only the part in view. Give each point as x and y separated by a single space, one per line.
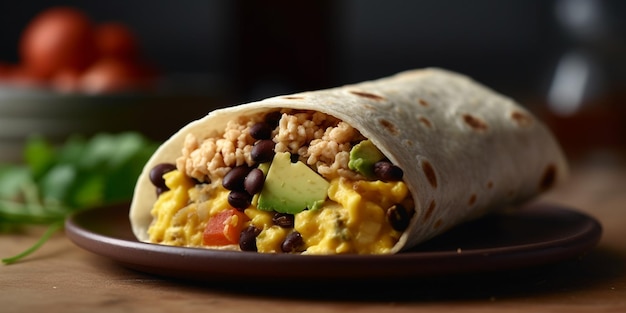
224 228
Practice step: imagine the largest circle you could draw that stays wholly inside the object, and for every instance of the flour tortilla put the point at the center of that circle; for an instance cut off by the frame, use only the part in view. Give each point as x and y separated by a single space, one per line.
465 149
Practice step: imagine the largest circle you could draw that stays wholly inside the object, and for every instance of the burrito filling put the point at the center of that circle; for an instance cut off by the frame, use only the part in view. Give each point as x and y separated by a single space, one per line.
290 181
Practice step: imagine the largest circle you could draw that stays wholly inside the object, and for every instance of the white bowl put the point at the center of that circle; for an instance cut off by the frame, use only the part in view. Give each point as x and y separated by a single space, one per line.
27 112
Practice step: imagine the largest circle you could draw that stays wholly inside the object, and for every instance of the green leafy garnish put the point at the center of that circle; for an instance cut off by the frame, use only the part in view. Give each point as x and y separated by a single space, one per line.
55 182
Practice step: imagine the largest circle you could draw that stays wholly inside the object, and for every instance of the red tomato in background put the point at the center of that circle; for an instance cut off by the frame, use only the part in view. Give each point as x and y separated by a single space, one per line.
63 49
115 40
56 39
66 80
6 70
111 75
19 76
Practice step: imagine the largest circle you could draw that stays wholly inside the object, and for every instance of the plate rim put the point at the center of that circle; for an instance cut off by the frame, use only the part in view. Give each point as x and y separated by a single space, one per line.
187 262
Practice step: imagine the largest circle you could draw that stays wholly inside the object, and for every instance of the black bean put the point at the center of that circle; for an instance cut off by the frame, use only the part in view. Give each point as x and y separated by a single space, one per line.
239 200
398 217
233 180
247 238
261 131
284 220
253 183
294 158
273 118
263 151
386 171
160 190
292 243
199 182
157 172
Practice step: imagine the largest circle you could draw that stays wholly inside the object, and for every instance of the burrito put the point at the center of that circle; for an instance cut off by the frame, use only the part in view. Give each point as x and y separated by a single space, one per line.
375 167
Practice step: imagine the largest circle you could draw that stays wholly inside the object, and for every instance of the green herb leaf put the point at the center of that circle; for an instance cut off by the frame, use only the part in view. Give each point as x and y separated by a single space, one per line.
12 179
81 174
39 155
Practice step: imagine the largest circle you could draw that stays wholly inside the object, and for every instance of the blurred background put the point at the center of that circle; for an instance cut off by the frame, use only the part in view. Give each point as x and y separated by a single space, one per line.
563 59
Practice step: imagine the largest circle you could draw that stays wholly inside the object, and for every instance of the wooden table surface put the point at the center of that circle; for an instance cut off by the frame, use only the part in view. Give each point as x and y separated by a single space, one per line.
61 277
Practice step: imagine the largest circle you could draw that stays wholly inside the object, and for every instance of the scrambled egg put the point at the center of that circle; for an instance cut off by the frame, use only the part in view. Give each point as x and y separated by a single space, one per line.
179 215
351 220
354 220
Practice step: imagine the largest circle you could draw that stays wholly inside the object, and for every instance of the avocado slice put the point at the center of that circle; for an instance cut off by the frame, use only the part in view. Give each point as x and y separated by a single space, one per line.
363 156
291 187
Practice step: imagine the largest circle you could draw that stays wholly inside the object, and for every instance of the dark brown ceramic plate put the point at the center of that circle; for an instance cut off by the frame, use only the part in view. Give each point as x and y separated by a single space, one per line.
536 235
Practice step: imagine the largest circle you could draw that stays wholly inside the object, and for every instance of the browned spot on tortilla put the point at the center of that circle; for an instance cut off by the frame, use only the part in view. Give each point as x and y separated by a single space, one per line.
438 223
521 119
293 97
426 122
472 200
389 126
548 178
423 102
430 210
489 184
429 171
474 122
367 95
